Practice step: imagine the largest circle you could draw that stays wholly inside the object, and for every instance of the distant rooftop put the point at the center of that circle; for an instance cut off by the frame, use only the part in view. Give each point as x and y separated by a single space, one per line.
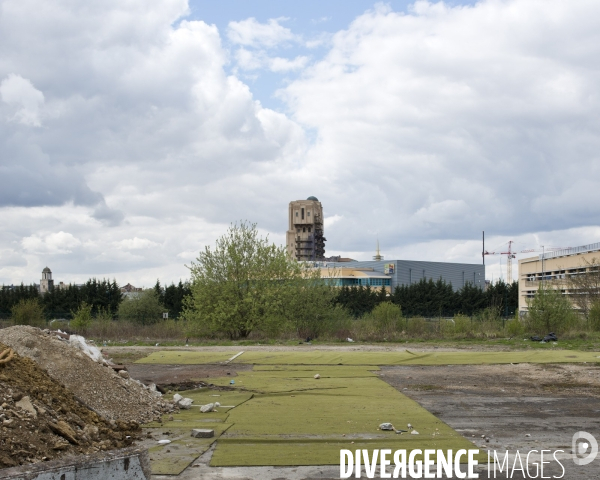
592 247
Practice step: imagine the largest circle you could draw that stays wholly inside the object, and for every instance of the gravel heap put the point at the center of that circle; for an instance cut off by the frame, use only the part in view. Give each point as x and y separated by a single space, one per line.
94 385
41 420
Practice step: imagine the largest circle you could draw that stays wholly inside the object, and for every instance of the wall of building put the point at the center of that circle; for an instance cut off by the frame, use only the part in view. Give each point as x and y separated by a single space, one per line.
406 272
553 270
304 238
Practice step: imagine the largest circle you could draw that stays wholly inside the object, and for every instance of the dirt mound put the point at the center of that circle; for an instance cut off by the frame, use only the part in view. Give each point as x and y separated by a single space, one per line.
94 385
40 419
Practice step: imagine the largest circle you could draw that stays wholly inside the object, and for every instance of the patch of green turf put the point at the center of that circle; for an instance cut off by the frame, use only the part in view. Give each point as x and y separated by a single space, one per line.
309 371
299 420
173 458
298 452
404 357
193 418
177 357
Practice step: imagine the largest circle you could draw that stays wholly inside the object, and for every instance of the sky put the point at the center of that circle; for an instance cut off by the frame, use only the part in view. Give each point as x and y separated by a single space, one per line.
132 134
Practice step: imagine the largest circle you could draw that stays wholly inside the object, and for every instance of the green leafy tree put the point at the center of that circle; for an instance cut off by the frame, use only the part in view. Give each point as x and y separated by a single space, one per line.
82 317
28 312
309 304
241 283
549 311
144 308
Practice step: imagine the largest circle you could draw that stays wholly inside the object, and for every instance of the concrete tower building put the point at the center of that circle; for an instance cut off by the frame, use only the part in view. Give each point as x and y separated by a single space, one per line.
46 283
305 240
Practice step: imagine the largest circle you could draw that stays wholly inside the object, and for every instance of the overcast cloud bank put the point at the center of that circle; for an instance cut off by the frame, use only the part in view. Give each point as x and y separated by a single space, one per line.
130 139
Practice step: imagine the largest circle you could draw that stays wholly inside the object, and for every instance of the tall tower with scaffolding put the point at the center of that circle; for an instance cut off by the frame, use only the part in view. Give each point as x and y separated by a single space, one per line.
305 236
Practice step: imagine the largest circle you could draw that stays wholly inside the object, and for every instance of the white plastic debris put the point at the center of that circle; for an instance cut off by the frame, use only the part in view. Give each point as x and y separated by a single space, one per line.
349 340
91 351
164 442
414 432
210 407
317 376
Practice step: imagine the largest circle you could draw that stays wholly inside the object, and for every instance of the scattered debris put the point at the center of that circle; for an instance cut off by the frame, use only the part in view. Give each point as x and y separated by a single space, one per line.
91 351
25 404
43 420
233 358
182 402
93 384
551 337
210 407
164 442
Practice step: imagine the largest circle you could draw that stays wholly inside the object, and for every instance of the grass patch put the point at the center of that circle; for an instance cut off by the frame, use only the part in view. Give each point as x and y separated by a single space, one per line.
295 419
176 357
328 357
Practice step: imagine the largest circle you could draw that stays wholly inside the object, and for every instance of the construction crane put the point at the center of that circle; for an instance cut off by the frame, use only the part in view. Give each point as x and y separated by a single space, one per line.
510 255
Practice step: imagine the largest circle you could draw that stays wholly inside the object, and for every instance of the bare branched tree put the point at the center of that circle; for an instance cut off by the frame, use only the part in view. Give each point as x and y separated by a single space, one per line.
584 285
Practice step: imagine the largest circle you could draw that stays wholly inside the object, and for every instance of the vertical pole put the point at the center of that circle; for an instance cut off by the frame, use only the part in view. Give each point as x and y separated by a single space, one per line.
543 255
483 246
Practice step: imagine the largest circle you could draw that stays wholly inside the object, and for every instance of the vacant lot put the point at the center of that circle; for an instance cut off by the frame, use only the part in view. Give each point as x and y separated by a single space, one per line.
517 407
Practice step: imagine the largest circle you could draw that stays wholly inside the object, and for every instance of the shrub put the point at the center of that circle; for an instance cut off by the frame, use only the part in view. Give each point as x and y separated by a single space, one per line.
594 317
82 318
143 308
463 324
550 311
416 326
28 312
387 318
515 327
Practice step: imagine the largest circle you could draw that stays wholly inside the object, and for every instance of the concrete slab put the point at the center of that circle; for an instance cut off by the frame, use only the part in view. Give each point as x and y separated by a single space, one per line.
129 463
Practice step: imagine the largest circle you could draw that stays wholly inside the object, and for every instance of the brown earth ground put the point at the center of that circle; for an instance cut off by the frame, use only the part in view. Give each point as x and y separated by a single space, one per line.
41 420
520 407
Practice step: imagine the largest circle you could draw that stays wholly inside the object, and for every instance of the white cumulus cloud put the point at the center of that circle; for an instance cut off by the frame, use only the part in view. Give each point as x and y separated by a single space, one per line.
252 33
27 100
53 243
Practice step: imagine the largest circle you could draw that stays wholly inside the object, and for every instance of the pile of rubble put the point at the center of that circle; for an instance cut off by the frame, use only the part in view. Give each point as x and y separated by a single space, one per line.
93 383
40 419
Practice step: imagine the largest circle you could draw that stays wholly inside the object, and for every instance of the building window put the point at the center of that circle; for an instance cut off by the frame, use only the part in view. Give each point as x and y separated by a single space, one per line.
304 229
308 214
302 210
309 229
296 213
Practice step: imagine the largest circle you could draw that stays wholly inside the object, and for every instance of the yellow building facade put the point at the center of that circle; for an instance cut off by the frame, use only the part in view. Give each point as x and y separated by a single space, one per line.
553 269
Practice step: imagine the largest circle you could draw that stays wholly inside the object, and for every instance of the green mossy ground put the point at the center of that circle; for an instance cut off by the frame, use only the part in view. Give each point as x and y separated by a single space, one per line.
279 414
404 357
